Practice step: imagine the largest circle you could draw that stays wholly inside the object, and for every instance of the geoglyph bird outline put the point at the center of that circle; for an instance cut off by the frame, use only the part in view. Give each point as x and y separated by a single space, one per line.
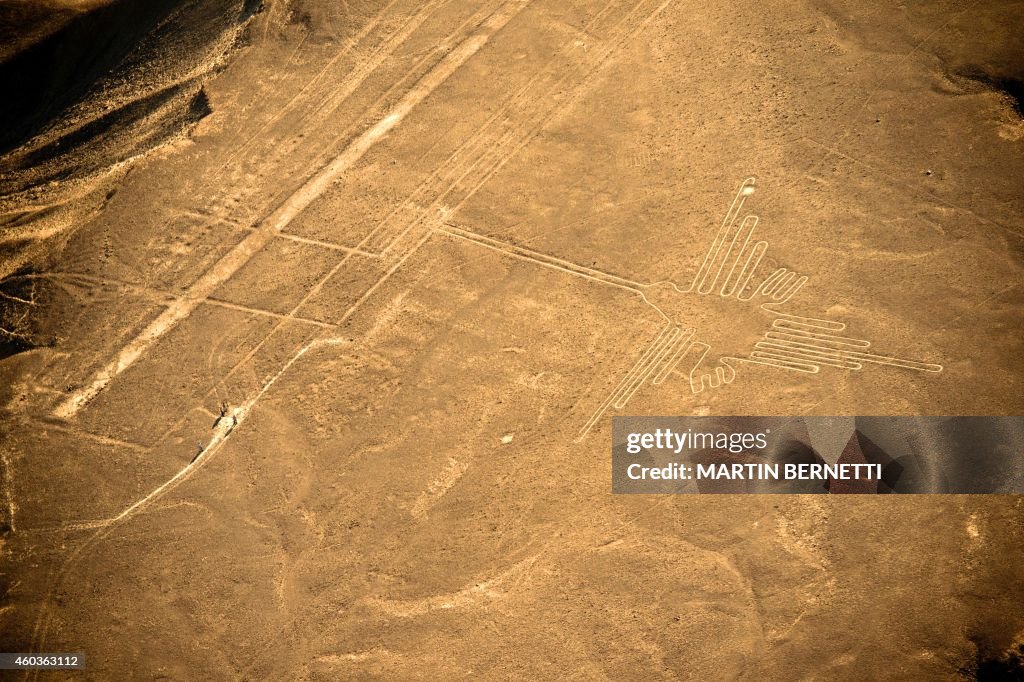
728 271
795 343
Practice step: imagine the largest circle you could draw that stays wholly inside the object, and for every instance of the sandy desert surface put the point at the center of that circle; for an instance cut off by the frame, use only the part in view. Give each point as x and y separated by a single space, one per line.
315 315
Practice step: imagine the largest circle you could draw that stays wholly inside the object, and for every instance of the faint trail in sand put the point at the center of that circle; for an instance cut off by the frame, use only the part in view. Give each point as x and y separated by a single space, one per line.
233 261
222 430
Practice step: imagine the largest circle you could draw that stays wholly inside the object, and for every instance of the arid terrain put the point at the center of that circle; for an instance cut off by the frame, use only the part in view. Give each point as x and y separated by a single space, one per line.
314 316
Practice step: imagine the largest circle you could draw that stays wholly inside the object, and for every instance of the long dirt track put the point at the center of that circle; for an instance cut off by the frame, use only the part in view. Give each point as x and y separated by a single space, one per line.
319 385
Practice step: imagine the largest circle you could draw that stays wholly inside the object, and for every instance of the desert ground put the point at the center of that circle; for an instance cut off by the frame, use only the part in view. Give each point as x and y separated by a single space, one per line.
315 314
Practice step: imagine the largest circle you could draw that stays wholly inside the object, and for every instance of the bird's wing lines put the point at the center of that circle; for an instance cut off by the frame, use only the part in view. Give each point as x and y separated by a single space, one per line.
734 256
711 259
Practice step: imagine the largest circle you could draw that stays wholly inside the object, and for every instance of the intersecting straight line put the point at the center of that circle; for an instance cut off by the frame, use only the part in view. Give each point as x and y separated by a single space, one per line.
295 204
165 297
268 313
478 19
542 259
327 245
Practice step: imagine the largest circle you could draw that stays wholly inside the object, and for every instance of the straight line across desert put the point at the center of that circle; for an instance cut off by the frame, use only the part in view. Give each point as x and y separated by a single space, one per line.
315 317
